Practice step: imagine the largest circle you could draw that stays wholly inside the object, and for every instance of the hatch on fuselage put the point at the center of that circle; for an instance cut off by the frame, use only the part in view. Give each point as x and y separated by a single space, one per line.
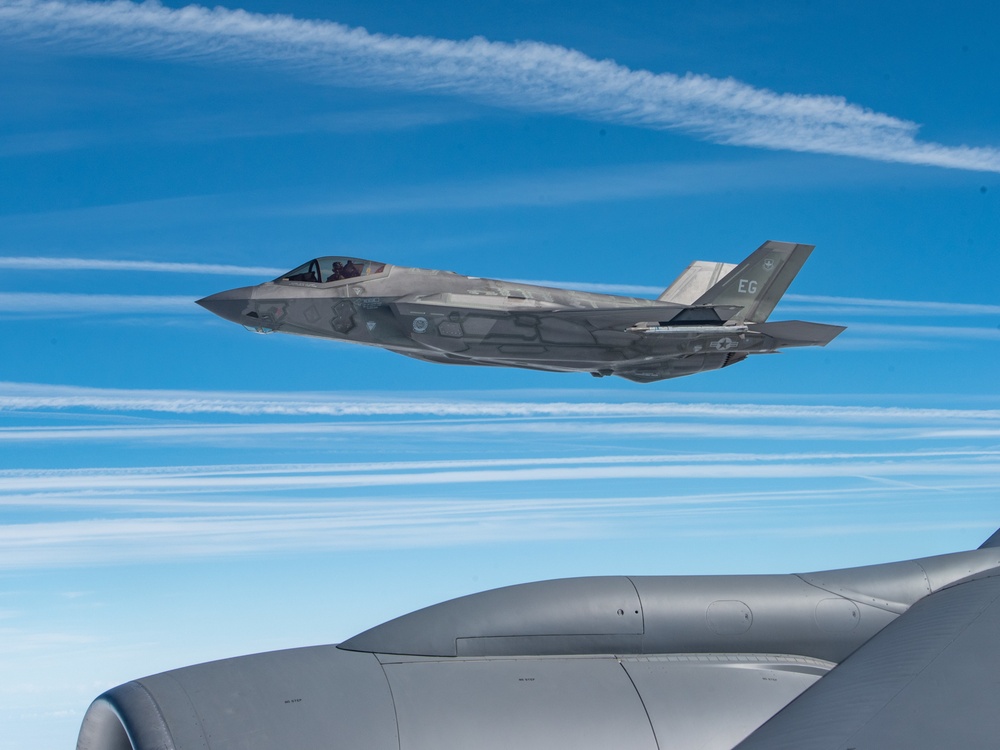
333 268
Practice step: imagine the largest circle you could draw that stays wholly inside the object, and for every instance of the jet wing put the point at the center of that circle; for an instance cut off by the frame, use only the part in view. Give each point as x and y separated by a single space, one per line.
929 680
444 302
597 318
626 317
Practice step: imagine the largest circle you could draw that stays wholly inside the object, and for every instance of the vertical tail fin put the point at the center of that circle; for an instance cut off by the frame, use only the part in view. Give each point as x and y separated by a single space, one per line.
758 282
993 541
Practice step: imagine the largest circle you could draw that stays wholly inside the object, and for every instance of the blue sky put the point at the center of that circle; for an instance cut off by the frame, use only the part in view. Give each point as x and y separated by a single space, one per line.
174 489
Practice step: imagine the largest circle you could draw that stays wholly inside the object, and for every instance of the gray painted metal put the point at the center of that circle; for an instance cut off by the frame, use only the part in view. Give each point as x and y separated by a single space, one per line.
930 680
517 703
824 615
308 698
591 663
712 316
738 689
574 615
993 541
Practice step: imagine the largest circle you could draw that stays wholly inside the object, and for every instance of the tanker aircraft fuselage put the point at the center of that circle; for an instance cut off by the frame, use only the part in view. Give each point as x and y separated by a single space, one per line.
896 655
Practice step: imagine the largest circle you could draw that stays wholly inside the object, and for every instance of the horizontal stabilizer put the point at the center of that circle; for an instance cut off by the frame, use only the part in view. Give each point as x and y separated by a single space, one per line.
799 332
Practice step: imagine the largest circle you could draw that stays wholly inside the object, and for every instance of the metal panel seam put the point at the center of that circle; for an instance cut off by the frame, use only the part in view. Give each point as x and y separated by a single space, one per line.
642 607
159 713
927 579
642 703
392 697
857 601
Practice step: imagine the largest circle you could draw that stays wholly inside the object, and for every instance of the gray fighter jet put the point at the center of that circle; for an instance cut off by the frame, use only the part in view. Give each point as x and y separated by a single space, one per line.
902 655
712 316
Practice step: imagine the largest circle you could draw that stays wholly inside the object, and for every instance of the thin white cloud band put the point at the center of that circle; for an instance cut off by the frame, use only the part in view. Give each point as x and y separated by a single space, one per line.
524 75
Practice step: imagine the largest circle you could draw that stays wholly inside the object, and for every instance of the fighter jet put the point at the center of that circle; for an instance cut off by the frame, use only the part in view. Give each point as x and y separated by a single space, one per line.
714 315
901 655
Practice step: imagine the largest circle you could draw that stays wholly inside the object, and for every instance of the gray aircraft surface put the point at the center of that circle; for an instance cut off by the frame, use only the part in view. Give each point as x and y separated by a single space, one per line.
900 655
712 316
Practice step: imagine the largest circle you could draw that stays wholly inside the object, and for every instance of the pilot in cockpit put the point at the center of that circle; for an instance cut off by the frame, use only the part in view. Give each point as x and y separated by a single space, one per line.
338 272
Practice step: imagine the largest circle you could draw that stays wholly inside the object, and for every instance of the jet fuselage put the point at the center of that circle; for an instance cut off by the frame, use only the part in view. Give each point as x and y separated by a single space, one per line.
444 317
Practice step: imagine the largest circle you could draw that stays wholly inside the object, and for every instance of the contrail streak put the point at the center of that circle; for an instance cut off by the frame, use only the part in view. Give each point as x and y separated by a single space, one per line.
530 76
49 263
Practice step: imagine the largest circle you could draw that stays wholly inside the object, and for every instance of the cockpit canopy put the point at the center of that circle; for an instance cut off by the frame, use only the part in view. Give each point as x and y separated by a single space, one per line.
333 268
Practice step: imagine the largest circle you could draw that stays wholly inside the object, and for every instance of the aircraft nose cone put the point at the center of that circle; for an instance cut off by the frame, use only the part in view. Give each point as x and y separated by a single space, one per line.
229 304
